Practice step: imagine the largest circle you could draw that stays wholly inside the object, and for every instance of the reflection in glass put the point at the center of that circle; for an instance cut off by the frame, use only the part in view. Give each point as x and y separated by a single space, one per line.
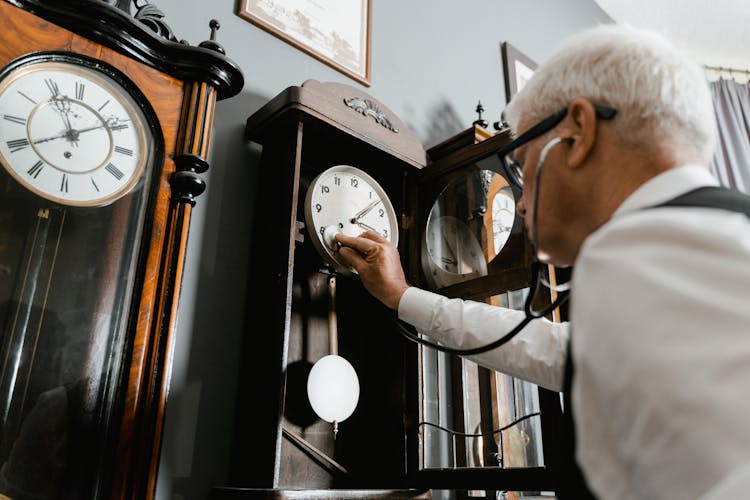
468 225
454 397
67 276
503 213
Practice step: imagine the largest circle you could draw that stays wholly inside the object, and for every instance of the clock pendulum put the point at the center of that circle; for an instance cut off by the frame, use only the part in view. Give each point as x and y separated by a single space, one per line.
342 199
333 385
105 120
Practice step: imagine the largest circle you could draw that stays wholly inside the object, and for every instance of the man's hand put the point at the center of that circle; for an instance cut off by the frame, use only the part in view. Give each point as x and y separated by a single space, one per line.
377 262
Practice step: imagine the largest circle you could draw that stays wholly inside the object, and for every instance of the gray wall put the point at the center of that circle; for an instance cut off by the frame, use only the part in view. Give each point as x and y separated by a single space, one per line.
431 61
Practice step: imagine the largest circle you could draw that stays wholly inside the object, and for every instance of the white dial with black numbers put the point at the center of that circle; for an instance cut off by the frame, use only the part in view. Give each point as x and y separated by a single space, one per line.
454 251
345 199
70 133
503 216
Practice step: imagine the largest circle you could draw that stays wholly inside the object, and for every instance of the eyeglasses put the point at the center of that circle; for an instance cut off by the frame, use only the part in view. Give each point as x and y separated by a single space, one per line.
513 169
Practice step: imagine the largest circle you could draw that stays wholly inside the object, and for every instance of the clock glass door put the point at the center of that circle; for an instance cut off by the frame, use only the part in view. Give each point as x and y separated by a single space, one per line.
479 430
68 262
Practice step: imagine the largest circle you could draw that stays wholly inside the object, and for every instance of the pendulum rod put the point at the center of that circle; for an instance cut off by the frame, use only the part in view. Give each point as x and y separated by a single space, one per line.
333 334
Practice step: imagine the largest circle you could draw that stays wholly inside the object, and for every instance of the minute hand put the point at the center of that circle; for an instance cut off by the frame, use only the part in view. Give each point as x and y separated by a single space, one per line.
74 133
364 211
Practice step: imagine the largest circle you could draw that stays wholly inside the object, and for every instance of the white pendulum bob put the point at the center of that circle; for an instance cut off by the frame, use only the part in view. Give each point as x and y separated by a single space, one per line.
333 385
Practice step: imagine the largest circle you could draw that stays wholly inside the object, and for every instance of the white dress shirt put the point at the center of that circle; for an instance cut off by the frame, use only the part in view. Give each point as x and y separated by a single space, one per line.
661 346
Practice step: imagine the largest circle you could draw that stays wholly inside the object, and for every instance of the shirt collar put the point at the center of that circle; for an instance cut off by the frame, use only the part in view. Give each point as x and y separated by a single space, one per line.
667 185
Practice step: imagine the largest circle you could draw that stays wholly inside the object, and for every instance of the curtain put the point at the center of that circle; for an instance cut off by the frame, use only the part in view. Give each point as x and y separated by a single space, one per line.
731 162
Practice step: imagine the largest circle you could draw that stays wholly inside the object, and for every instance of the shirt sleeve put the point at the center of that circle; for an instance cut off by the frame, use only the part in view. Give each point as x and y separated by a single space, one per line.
537 354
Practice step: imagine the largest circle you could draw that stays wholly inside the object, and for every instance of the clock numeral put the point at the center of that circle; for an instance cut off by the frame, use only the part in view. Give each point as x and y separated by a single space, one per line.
337 180
80 88
27 97
36 169
381 212
318 207
118 126
385 233
370 194
123 151
94 183
64 184
15 119
52 86
355 182
114 171
17 144
325 189
322 230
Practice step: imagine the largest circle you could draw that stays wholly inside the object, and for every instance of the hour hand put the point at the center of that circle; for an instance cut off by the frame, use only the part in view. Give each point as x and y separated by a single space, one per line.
365 226
52 138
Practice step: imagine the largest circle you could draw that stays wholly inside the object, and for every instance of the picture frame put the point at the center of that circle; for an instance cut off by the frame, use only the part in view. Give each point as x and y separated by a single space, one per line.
517 69
336 32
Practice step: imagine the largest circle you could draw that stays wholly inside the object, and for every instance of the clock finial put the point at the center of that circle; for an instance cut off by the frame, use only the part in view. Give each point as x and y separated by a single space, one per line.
212 43
480 121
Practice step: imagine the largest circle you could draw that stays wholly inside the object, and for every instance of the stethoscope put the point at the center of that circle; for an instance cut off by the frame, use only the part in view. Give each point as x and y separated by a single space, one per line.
538 271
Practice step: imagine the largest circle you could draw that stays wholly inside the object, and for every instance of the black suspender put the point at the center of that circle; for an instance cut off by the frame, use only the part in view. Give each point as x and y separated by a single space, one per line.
712 197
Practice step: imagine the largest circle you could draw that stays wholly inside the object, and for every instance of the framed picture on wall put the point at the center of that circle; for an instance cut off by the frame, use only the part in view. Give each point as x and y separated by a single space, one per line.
517 68
337 32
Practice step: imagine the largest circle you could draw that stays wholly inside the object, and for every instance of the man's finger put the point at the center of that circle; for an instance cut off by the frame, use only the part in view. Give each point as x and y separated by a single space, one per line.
362 245
353 258
372 235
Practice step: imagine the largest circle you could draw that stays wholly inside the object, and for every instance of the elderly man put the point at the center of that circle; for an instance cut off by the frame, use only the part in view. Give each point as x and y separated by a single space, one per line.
612 131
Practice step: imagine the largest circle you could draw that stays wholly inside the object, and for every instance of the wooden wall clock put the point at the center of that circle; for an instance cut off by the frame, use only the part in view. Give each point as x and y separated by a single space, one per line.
335 159
105 124
328 149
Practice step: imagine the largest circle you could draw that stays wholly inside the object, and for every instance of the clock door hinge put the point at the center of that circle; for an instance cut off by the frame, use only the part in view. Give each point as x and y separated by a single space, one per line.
407 221
299 237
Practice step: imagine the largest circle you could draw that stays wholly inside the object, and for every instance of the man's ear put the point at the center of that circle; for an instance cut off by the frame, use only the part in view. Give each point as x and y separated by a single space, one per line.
580 131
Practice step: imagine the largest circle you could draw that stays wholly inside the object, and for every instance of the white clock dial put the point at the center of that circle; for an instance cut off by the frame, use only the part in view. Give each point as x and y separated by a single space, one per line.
455 251
346 199
503 215
70 133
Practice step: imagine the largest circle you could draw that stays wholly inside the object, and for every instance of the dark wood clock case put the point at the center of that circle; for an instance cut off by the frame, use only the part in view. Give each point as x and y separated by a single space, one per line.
89 295
281 449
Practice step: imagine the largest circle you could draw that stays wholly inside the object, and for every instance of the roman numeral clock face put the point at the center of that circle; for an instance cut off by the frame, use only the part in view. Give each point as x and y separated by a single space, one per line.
70 133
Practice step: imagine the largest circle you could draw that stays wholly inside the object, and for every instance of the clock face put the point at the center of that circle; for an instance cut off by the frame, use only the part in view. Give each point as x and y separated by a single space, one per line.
503 215
70 133
455 252
346 199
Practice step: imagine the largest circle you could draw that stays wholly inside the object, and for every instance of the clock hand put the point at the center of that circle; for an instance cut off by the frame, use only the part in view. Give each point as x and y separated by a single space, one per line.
103 125
447 260
46 139
365 226
62 106
455 250
73 133
364 211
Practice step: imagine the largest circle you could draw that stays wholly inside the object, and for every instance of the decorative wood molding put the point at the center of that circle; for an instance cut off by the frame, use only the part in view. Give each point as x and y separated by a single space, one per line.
369 108
142 40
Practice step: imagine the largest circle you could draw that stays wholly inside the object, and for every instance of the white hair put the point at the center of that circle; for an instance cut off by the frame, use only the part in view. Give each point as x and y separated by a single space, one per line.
660 93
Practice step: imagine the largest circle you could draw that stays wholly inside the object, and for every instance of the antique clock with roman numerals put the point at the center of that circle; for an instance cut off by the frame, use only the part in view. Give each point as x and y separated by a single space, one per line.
105 124
74 134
